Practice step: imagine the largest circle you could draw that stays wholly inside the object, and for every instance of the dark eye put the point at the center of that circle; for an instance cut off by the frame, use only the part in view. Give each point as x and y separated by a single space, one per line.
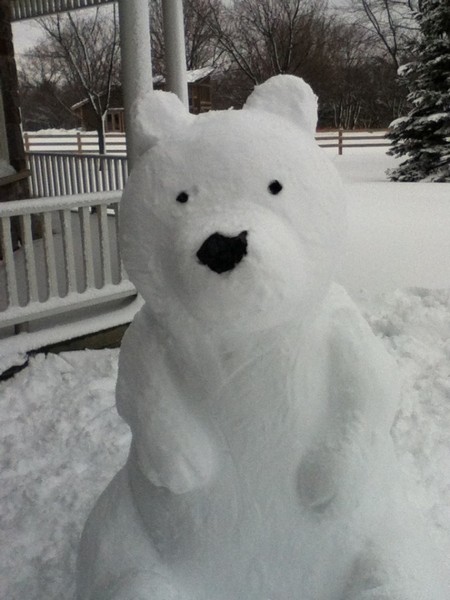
275 187
182 197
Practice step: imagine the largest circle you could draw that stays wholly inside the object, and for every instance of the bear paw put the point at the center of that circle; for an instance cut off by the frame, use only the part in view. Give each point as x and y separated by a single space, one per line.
182 468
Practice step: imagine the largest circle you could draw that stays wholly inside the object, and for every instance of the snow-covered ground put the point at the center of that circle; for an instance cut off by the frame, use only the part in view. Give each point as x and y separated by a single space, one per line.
62 439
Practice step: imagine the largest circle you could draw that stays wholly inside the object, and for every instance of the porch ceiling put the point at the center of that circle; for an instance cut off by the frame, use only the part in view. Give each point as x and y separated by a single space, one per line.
30 9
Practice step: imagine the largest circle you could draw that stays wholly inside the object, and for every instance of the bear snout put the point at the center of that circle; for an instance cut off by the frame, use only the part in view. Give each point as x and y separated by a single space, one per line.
222 253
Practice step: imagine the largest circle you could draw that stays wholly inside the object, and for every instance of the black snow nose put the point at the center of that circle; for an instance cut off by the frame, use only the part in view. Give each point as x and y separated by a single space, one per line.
222 253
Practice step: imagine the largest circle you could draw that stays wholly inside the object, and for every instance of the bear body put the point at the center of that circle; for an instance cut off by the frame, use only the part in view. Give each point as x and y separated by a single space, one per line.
260 403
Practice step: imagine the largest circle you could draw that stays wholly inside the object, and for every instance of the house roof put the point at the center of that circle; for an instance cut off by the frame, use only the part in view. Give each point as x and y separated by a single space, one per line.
24 9
191 77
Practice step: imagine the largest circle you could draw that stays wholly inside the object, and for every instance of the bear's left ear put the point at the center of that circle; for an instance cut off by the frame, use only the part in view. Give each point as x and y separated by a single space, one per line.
289 97
157 115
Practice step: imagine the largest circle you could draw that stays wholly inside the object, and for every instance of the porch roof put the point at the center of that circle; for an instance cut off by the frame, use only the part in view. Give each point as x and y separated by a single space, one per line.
30 9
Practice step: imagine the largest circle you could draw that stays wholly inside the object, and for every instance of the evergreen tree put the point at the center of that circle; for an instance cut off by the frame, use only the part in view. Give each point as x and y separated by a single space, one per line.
424 135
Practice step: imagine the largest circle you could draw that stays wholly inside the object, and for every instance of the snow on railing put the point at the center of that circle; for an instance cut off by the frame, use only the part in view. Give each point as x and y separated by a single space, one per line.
57 174
59 254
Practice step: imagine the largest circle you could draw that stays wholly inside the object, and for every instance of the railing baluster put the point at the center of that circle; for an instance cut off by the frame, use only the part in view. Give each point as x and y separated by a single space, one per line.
123 171
50 259
68 173
105 250
91 167
80 175
74 170
41 180
8 257
111 170
30 261
104 168
116 223
86 241
69 251
84 176
60 160
44 175
51 180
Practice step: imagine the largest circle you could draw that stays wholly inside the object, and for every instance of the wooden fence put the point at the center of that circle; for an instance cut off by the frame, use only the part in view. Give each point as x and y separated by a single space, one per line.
76 172
78 142
341 139
87 142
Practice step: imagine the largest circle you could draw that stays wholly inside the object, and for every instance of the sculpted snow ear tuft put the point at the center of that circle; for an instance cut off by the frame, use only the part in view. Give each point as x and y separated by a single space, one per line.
289 97
156 115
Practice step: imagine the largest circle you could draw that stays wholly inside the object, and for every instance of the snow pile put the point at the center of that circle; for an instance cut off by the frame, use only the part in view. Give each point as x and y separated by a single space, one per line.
415 328
61 442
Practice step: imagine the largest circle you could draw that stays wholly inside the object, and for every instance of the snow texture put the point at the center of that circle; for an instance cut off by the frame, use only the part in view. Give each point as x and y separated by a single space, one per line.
259 400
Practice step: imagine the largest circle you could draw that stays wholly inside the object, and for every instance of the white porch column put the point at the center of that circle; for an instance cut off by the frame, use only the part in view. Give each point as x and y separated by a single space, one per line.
175 49
134 19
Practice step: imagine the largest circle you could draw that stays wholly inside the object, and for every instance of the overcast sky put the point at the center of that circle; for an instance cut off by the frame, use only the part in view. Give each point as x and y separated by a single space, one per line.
25 35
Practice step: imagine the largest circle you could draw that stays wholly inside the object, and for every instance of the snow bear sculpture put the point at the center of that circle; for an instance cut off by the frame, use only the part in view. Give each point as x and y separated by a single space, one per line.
259 401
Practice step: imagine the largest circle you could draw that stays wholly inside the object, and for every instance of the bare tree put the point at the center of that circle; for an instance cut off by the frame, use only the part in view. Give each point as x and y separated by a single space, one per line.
263 37
82 54
390 22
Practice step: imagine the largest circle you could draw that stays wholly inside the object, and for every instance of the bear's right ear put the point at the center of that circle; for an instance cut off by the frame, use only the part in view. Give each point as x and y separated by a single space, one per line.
286 96
156 115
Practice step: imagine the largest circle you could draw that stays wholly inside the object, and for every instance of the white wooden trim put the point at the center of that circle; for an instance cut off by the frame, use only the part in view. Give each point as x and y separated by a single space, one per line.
105 251
88 254
61 298
175 49
69 254
50 259
30 9
30 261
8 257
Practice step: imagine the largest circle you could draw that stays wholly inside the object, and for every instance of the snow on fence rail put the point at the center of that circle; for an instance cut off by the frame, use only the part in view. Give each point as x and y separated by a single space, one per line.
74 142
341 139
57 255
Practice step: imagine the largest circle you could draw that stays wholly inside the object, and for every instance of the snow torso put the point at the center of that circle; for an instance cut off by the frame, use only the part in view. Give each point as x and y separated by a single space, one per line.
282 455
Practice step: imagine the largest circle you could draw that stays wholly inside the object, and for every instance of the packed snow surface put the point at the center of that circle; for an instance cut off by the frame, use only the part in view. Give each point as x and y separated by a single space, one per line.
63 441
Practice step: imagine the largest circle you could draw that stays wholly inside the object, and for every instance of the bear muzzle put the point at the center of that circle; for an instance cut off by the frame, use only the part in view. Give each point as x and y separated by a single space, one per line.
222 253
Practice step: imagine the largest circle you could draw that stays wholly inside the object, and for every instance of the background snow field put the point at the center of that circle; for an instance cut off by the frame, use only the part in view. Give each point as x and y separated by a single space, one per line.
62 439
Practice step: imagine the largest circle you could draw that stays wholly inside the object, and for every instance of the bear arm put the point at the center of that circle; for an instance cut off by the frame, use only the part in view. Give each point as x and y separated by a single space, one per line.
173 447
362 397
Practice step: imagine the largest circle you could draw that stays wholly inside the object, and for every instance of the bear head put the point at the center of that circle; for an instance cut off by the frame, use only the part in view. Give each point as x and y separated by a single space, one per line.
232 218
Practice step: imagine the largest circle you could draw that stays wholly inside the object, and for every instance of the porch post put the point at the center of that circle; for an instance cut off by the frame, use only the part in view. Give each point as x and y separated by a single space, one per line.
134 19
175 49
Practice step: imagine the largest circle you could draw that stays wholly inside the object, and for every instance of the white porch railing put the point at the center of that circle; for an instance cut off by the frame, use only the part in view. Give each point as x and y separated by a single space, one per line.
58 174
67 256
30 9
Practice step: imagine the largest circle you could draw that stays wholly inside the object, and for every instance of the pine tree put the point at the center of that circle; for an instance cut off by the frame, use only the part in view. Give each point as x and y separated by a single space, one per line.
424 134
